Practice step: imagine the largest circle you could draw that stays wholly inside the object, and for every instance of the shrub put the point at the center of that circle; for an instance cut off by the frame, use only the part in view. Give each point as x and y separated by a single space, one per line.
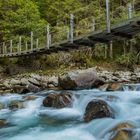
128 60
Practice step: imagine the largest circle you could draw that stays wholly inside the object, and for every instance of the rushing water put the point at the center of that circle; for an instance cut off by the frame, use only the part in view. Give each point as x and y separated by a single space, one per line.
35 122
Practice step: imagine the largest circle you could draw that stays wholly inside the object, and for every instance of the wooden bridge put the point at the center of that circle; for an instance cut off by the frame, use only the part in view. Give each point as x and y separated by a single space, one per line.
124 29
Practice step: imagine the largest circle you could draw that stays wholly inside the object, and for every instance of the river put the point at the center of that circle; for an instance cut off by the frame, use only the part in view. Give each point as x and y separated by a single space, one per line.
35 122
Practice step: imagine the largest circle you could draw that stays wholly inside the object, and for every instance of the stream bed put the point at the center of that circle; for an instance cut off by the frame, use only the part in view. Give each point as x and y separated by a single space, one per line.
36 122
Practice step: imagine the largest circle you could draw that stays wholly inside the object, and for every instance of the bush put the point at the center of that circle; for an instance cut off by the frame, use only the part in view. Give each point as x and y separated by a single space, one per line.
128 60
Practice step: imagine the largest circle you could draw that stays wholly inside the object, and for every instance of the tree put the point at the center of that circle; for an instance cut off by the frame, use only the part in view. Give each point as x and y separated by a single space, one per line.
18 17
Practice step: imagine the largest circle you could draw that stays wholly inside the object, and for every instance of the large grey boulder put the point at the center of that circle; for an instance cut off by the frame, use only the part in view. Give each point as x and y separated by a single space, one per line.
81 79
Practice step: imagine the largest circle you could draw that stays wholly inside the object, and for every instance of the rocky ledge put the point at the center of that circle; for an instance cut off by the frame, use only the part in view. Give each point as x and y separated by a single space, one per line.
77 79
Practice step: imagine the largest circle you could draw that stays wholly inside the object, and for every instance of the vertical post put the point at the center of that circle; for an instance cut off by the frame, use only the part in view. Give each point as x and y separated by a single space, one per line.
124 48
3 47
131 45
105 51
129 10
31 40
94 25
19 44
108 17
71 27
48 36
26 45
68 34
0 49
11 46
37 41
111 49
18 47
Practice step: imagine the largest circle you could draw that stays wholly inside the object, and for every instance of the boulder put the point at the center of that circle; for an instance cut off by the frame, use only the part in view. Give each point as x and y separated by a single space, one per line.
20 89
122 132
97 109
82 79
104 87
28 98
3 122
1 106
53 81
16 104
34 82
115 87
26 89
33 88
58 100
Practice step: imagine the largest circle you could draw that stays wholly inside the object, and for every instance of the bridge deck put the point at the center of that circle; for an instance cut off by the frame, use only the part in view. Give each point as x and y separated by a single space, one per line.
126 29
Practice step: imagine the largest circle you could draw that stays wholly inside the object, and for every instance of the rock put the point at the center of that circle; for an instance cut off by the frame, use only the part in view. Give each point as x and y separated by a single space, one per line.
3 122
104 87
20 89
122 132
14 70
53 81
15 82
28 98
36 76
24 81
33 88
6 84
1 106
26 89
82 79
115 87
34 82
16 104
97 109
58 100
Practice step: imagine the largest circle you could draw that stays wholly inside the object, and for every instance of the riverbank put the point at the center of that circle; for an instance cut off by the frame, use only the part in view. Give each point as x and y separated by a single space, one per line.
35 82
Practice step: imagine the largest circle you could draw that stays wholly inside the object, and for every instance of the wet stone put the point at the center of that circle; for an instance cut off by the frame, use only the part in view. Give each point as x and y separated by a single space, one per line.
97 109
1 106
122 131
58 100
16 104
3 122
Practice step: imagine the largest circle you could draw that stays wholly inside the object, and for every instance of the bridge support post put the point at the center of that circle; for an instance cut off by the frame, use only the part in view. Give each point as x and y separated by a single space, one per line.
19 44
26 46
105 51
48 36
111 49
108 16
71 28
129 10
68 34
37 42
124 48
0 50
31 40
131 45
3 47
11 46
94 25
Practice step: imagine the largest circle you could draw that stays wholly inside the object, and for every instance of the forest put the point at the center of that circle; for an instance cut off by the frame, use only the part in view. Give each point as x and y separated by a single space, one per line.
20 17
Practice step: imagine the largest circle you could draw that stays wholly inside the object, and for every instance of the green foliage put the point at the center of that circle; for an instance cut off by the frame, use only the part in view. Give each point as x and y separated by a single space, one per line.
128 60
19 17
